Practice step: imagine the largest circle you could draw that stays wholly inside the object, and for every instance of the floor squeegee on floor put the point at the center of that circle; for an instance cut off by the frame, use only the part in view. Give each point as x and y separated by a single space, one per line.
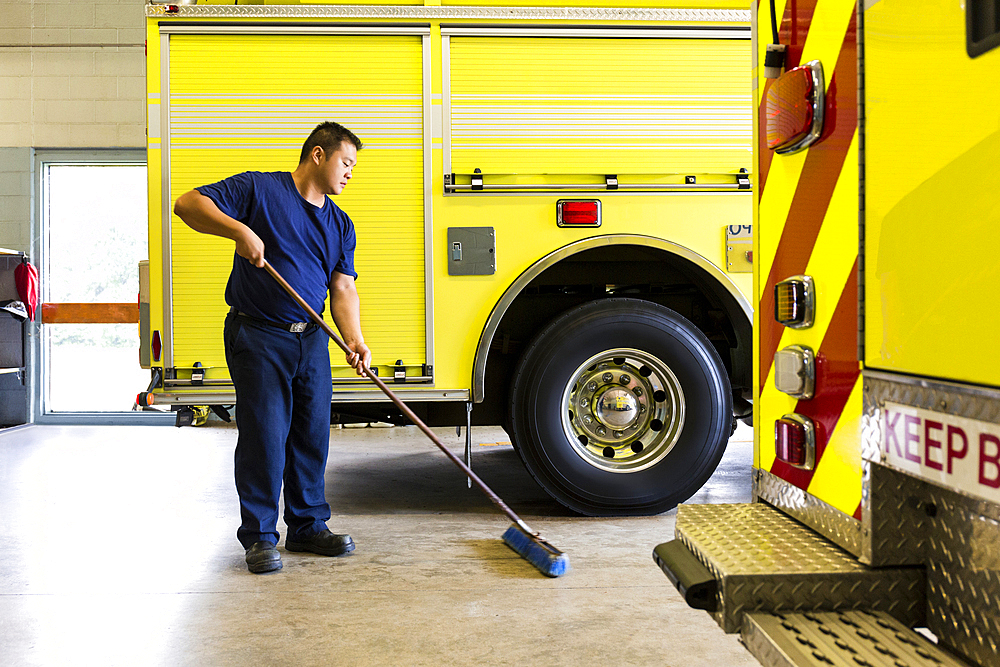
529 545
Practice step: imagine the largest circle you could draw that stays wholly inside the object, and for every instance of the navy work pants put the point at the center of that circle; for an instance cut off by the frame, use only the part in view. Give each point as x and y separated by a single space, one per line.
283 394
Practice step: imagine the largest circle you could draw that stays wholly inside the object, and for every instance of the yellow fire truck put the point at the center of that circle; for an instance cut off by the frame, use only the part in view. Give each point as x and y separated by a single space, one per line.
553 212
876 476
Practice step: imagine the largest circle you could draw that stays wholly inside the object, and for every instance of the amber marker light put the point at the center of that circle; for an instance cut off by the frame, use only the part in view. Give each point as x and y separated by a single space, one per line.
795 302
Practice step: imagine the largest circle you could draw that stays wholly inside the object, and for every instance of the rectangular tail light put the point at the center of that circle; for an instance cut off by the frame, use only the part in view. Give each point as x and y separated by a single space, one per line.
578 213
794 107
795 441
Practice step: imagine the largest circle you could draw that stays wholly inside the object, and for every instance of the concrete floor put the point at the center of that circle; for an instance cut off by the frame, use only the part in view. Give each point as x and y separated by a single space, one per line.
118 547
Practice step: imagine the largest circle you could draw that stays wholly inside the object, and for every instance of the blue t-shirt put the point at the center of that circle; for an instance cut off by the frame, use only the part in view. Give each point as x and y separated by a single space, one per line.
305 244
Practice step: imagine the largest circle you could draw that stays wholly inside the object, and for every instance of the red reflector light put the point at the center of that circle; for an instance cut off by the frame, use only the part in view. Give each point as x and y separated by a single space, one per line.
790 442
795 441
578 213
794 108
156 346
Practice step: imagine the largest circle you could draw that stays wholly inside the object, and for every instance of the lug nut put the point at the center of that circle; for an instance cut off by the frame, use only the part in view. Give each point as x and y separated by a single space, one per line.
587 419
624 379
607 377
592 386
601 431
637 391
618 434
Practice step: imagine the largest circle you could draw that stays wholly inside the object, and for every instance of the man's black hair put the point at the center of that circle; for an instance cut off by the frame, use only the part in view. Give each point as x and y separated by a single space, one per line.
328 136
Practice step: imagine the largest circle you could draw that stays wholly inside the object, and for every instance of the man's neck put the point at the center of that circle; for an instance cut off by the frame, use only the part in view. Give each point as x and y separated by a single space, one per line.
308 188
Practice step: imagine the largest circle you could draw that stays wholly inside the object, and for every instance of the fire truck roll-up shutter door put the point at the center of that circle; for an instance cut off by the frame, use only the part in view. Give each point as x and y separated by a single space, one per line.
599 105
243 102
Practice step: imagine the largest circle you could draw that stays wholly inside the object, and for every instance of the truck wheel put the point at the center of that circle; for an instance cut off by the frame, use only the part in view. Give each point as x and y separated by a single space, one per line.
620 407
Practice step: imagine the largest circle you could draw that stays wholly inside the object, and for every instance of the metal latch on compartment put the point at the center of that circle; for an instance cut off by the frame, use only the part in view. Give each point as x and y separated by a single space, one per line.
472 251
197 374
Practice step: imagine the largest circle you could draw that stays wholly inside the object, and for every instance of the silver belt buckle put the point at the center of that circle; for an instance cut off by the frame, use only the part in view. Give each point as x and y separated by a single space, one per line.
298 327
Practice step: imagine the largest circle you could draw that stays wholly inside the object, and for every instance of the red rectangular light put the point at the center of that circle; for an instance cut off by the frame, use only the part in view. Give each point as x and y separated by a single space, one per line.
156 346
578 213
794 109
795 441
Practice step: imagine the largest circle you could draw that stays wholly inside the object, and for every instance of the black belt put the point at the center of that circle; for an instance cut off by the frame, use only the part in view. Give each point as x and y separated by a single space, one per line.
293 327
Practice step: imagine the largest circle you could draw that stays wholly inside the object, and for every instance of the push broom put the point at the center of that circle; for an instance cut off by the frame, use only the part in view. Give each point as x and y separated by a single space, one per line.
528 544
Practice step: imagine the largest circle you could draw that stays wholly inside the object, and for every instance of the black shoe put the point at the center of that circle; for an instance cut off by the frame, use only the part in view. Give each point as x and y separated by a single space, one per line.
323 543
263 557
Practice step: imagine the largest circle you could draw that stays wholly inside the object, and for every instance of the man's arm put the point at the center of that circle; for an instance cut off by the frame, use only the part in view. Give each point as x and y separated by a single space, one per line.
345 306
202 215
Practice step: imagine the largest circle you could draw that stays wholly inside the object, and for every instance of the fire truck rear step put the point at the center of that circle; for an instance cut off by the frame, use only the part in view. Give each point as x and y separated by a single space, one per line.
764 561
839 638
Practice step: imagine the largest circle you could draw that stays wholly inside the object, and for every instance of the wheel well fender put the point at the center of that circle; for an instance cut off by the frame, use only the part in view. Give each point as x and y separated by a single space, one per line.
710 278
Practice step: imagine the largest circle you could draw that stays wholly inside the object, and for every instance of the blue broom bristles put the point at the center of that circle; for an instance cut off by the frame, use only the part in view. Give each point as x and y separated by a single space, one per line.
550 561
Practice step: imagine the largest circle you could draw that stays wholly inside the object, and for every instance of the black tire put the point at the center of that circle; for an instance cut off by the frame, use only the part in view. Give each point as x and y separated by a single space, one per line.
606 456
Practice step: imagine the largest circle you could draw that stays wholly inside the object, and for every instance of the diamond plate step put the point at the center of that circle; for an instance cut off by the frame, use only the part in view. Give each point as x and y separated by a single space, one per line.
839 639
764 560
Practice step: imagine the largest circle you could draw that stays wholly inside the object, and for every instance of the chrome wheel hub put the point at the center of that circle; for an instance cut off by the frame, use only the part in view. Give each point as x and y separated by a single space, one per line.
616 408
623 410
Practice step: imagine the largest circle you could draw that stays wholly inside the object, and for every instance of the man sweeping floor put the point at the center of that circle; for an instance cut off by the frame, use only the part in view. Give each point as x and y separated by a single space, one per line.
279 360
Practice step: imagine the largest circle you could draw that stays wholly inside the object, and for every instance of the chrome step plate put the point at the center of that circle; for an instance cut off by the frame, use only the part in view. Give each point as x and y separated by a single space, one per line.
766 561
839 639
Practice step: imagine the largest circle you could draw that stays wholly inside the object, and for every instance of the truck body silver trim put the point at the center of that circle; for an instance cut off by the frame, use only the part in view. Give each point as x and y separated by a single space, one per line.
910 520
446 105
626 33
428 179
167 29
825 519
166 257
290 29
596 187
741 16
339 396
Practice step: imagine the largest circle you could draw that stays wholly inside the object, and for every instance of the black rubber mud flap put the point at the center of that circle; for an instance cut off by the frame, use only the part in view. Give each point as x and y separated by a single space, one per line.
692 579
185 417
